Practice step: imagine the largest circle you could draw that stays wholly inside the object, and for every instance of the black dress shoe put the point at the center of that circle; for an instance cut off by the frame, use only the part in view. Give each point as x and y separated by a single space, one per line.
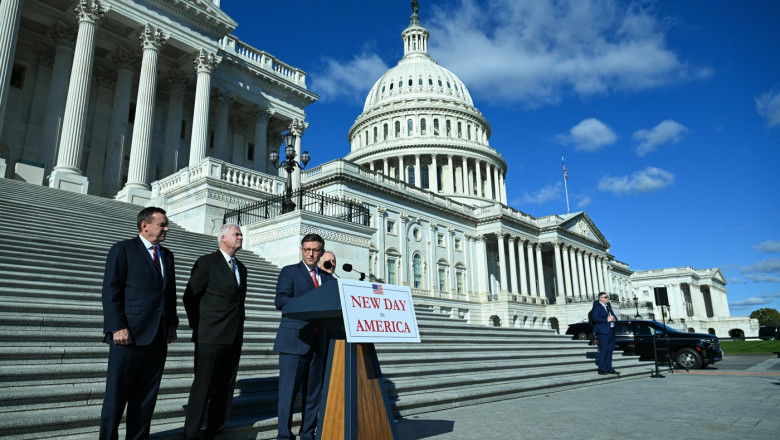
613 372
602 372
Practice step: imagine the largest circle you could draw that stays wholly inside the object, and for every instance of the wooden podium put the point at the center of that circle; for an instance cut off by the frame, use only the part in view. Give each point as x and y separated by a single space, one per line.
354 403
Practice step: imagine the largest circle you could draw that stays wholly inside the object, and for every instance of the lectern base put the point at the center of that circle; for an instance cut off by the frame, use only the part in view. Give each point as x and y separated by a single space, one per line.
354 404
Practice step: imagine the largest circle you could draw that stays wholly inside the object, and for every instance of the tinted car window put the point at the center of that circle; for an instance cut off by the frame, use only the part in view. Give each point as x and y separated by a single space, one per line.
623 328
643 330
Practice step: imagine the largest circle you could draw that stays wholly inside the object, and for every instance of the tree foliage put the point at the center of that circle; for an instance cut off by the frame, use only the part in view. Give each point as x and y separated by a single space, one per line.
766 316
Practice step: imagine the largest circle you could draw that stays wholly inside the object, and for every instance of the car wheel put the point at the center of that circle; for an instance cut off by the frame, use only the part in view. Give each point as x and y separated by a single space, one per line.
582 336
688 358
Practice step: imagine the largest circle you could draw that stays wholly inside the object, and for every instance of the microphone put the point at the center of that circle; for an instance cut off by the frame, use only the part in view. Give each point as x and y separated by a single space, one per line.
348 268
328 266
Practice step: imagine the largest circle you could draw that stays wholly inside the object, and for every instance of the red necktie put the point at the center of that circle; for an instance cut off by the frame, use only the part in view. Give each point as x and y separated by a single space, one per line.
314 278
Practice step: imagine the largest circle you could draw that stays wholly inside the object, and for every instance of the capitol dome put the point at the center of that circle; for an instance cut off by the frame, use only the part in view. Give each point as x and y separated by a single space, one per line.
419 121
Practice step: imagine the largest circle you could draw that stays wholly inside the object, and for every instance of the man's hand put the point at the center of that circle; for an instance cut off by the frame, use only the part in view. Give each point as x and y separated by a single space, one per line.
170 336
122 337
610 318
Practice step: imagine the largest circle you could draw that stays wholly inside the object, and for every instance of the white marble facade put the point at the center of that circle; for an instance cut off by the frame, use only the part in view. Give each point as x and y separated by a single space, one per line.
110 98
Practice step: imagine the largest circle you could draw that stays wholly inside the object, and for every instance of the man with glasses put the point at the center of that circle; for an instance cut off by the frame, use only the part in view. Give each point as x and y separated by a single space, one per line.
330 258
604 328
301 362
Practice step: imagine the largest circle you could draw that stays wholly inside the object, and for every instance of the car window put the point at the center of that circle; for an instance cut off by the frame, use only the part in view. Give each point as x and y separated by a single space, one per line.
643 330
623 328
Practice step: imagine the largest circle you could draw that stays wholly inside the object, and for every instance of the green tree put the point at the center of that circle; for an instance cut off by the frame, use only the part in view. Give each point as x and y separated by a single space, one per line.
766 316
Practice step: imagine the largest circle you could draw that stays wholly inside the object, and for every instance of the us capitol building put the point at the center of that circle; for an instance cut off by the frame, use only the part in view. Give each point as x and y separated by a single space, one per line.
155 102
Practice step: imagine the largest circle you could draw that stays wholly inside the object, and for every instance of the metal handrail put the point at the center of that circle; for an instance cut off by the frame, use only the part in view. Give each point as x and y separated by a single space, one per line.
335 207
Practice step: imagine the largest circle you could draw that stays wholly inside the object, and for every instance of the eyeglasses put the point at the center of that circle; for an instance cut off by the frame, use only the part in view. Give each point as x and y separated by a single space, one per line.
602 297
311 251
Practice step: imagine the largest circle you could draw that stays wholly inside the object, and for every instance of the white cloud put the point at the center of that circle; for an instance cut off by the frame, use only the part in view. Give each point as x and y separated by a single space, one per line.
760 300
583 201
644 181
348 81
768 266
666 132
589 135
768 106
768 246
544 195
536 52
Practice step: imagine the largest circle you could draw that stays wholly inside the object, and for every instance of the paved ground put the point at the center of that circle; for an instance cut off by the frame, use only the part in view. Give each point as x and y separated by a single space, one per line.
738 398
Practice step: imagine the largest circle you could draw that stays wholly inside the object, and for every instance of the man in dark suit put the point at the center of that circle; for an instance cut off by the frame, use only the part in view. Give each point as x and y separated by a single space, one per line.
139 320
300 349
214 300
604 329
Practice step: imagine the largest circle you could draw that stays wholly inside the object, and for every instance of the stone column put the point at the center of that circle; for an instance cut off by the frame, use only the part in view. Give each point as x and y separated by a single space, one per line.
10 14
136 188
262 116
98 140
565 260
502 187
593 282
66 174
608 277
401 170
402 237
205 63
482 271
449 181
386 167
468 260
451 258
297 128
465 176
496 186
65 39
222 101
561 294
531 270
433 175
501 261
576 273
600 274
521 260
417 174
540 270
584 282
177 80
381 234
126 62
480 186
488 182
432 257
512 264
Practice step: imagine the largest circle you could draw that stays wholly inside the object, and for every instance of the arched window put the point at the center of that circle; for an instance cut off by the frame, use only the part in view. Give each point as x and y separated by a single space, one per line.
468 131
391 270
424 176
400 83
376 135
419 81
439 83
430 81
391 86
442 279
417 268
384 132
422 127
409 127
410 176
460 131
448 128
397 129
435 127
410 82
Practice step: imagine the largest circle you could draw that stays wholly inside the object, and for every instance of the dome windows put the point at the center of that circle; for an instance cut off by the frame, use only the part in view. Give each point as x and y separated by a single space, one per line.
435 127
409 127
411 82
439 83
391 86
423 128
430 81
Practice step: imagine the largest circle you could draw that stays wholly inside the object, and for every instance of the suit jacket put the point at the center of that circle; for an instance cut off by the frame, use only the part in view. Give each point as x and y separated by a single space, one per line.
133 295
600 323
213 300
294 335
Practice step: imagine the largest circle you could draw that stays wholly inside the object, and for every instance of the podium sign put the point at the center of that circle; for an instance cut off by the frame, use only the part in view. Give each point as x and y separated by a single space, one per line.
375 312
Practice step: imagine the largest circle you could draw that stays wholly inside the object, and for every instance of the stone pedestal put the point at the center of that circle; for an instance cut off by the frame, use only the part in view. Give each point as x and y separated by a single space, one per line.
68 181
134 195
29 172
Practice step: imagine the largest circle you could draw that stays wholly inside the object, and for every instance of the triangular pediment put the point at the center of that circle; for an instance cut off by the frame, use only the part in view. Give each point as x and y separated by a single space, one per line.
579 223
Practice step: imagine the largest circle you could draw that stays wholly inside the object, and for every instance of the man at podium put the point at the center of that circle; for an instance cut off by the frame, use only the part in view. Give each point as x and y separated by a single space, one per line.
301 354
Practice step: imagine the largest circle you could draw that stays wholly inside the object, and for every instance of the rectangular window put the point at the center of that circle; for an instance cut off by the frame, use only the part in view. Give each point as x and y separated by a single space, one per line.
391 226
459 281
18 73
410 177
250 151
391 271
435 127
442 279
440 239
457 244
424 176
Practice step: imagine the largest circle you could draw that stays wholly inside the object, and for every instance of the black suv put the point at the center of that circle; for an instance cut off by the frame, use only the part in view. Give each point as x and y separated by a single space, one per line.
769 333
689 350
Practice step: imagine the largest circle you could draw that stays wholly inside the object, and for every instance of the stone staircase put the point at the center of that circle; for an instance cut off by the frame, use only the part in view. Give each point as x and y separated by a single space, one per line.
53 246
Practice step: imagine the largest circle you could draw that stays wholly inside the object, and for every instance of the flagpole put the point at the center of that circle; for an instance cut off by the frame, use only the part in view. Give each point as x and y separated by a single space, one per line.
565 185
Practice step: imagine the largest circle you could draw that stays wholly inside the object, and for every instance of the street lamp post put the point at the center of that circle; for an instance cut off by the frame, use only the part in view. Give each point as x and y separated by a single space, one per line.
636 304
670 321
289 165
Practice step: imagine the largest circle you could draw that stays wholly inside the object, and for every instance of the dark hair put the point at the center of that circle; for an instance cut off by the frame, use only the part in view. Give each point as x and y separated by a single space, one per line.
146 215
313 237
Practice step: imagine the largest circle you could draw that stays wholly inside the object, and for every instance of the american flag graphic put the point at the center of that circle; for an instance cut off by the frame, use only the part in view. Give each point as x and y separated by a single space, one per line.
377 289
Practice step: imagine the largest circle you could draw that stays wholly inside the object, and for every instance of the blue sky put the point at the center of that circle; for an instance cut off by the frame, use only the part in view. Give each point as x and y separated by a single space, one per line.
668 112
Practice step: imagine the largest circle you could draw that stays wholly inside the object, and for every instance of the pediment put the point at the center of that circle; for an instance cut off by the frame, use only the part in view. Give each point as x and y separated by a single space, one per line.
580 224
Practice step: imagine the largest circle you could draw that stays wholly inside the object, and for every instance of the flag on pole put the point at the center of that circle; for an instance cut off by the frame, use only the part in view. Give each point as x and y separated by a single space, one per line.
565 176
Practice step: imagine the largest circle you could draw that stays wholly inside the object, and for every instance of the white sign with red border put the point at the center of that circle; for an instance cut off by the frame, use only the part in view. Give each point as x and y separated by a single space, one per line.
375 312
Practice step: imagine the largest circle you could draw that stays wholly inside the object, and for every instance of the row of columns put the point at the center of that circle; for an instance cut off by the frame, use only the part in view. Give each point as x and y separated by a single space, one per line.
578 273
63 134
460 175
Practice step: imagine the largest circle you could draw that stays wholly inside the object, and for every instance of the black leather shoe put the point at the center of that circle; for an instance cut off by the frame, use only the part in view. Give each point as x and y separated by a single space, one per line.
602 372
613 372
